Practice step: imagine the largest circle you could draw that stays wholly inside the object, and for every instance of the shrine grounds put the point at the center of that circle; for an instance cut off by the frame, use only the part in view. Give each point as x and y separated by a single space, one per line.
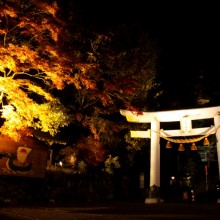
113 210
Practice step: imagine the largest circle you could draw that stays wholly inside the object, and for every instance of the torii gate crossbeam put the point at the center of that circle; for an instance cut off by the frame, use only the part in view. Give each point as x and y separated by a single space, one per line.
185 117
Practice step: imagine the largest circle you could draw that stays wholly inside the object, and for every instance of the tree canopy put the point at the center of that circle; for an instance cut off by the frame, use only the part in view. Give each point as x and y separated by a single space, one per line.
54 72
34 61
125 76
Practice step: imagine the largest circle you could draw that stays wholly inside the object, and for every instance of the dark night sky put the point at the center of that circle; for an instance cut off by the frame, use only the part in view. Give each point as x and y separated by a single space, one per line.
187 33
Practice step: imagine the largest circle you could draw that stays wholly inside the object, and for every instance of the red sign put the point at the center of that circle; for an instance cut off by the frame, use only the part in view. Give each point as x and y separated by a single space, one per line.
206 170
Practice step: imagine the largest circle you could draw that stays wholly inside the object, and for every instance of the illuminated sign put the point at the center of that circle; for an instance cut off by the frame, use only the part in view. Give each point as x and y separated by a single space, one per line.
22 159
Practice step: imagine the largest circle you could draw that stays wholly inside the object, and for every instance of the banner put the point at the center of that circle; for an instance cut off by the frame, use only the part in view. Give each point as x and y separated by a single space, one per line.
23 159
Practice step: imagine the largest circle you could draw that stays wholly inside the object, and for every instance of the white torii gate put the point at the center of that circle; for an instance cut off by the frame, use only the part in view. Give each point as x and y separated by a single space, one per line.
185 118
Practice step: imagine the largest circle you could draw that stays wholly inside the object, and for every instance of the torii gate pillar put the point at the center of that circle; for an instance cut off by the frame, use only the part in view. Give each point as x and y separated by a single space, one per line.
154 191
217 123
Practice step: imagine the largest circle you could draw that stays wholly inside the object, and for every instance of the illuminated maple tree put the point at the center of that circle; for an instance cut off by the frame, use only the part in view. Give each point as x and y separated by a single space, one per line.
34 61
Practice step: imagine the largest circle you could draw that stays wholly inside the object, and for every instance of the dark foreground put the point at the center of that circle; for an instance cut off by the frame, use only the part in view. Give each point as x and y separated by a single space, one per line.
113 211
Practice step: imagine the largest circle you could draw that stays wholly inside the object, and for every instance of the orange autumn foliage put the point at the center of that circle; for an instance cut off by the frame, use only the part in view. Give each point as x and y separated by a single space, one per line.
32 64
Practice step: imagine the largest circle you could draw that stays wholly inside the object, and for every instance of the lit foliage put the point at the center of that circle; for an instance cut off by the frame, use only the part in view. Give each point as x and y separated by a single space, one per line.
124 74
88 149
111 164
33 64
41 56
124 78
91 150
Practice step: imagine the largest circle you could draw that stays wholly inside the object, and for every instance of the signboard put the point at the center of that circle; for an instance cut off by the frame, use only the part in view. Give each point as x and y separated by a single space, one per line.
203 156
22 159
208 153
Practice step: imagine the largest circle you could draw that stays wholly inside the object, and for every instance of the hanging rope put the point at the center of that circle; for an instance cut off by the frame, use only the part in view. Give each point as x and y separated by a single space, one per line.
187 140
183 141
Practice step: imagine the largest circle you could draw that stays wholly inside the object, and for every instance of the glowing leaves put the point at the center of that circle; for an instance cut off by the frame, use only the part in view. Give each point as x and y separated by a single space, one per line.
2 31
6 62
46 117
100 128
53 29
51 51
25 102
54 79
128 86
13 122
94 132
21 89
50 8
9 114
32 64
83 80
7 10
29 87
22 53
50 117
34 41
91 150
111 164
16 60
79 117
22 111
87 82
105 99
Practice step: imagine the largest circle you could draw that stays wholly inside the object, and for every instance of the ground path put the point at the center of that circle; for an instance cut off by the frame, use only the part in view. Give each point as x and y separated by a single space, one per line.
113 211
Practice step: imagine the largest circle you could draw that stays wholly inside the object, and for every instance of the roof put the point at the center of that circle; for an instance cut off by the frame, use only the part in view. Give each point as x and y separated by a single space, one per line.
49 139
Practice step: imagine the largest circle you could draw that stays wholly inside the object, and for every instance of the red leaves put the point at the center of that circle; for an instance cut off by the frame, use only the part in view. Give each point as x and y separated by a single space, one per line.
87 82
91 151
79 117
135 110
121 85
116 128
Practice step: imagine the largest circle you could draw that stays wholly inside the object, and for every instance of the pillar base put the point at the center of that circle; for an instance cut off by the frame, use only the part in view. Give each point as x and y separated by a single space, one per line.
154 195
153 200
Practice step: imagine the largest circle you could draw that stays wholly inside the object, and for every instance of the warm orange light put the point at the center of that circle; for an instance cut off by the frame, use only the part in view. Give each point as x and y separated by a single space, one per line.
206 142
168 145
193 147
181 148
